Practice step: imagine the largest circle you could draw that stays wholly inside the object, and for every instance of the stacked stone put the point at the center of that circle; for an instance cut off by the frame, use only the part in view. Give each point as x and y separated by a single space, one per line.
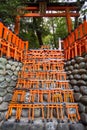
77 74
38 124
8 77
28 73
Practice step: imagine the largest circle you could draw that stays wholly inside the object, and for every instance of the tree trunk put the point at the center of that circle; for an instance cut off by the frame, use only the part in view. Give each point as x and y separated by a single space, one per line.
54 40
76 22
38 31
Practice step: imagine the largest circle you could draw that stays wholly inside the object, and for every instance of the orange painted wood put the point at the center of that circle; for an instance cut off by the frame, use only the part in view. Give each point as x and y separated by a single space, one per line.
49 15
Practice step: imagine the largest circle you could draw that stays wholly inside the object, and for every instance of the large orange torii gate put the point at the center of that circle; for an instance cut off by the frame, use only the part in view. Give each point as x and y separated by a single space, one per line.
42 8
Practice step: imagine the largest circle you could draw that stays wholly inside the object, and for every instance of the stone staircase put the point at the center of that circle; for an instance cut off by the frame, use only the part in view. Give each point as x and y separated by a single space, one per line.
42 99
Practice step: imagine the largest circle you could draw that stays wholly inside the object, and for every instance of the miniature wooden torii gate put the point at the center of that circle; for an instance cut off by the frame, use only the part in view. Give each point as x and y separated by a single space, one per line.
42 8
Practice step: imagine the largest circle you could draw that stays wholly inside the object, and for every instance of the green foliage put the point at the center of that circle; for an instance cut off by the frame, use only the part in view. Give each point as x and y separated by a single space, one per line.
27 32
8 10
50 29
57 28
30 36
61 28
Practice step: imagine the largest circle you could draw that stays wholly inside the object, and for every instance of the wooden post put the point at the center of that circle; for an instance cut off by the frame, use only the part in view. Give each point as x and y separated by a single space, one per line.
69 22
42 7
17 25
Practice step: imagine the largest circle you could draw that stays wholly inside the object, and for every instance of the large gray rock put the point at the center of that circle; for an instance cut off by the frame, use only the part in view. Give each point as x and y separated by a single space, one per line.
76 66
12 83
10 89
66 68
2 72
84 77
81 107
9 72
81 82
76 126
84 100
14 78
75 71
77 96
13 67
63 126
71 77
4 106
69 72
79 59
3 61
18 68
73 61
68 63
2 78
82 71
84 118
50 126
76 88
8 78
73 82
2 67
16 63
10 62
4 84
20 64
77 76
7 97
2 92
8 66
82 65
16 73
83 90
70 67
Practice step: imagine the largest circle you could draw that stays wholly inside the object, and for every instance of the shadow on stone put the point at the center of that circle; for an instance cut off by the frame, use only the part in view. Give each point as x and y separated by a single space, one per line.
63 126
50 126
77 126
8 126
36 127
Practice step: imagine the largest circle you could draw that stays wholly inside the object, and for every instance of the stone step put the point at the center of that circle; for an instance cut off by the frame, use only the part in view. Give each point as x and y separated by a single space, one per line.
41 126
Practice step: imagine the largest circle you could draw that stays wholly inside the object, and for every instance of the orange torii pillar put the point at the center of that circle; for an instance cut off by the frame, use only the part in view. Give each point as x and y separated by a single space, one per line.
69 22
85 32
17 25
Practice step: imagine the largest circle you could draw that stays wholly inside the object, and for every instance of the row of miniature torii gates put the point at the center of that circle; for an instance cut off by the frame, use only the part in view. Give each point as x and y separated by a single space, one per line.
46 9
74 44
36 73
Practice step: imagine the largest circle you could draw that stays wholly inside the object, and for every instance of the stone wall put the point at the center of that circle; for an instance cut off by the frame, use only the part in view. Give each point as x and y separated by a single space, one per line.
8 78
77 74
